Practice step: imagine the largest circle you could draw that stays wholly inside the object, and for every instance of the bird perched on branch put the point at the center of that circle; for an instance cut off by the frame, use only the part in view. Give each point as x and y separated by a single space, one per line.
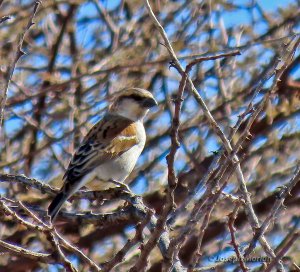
111 148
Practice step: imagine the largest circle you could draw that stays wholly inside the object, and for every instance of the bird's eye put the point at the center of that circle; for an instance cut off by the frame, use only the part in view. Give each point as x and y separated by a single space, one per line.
135 97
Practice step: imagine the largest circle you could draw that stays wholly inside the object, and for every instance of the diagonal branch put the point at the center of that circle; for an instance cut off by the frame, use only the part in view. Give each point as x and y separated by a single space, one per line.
10 70
253 220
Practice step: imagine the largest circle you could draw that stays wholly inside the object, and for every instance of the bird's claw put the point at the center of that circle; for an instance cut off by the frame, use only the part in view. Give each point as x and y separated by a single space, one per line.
120 185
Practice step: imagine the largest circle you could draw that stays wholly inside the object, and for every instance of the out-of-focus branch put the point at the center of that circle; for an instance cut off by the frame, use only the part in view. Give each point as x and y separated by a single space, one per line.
294 237
284 192
79 55
253 220
139 211
52 236
40 105
119 257
10 69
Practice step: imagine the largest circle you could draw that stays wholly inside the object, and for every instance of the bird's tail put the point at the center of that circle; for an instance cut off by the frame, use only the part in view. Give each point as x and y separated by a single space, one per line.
56 204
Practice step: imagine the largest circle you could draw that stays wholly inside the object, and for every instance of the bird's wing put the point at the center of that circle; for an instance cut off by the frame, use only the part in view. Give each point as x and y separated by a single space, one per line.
109 138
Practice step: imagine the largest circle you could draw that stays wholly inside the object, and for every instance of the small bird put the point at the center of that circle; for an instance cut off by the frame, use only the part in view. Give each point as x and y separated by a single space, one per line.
111 148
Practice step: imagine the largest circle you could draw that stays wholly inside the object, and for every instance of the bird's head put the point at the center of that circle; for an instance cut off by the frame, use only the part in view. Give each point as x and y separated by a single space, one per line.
132 103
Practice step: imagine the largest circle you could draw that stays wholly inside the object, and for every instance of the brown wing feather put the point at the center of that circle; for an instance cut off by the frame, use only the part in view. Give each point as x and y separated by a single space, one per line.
109 138
125 140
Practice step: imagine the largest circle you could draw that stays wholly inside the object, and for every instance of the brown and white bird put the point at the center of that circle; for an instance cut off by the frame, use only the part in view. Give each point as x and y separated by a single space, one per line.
111 148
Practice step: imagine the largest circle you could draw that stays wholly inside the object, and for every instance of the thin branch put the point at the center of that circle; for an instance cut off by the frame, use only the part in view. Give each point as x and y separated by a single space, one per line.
51 235
284 192
231 218
253 220
283 251
119 257
39 257
19 53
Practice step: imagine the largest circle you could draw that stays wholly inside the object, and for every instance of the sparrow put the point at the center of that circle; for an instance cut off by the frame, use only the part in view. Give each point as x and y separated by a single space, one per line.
111 148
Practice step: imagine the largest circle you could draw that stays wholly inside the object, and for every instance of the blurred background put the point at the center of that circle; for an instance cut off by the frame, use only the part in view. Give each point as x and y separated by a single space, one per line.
79 53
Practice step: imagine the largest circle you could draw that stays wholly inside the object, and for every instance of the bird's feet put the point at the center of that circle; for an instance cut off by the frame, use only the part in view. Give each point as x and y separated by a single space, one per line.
120 185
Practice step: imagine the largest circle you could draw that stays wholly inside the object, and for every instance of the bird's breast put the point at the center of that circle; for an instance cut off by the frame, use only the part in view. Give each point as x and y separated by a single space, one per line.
119 168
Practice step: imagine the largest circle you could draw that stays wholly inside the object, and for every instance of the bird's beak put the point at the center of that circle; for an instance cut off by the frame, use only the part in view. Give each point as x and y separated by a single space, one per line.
149 102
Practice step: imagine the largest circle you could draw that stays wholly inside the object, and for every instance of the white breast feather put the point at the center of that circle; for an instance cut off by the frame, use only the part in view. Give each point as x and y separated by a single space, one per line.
119 168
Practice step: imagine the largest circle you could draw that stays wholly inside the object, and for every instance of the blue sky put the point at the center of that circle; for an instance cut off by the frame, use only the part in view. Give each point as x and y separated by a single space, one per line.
236 19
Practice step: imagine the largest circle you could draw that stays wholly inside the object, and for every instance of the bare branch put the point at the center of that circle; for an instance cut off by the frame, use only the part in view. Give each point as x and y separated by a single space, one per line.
17 55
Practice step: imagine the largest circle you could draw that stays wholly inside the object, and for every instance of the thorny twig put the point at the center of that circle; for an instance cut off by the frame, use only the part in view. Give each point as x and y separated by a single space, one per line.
111 61
253 220
231 218
275 209
51 235
283 251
